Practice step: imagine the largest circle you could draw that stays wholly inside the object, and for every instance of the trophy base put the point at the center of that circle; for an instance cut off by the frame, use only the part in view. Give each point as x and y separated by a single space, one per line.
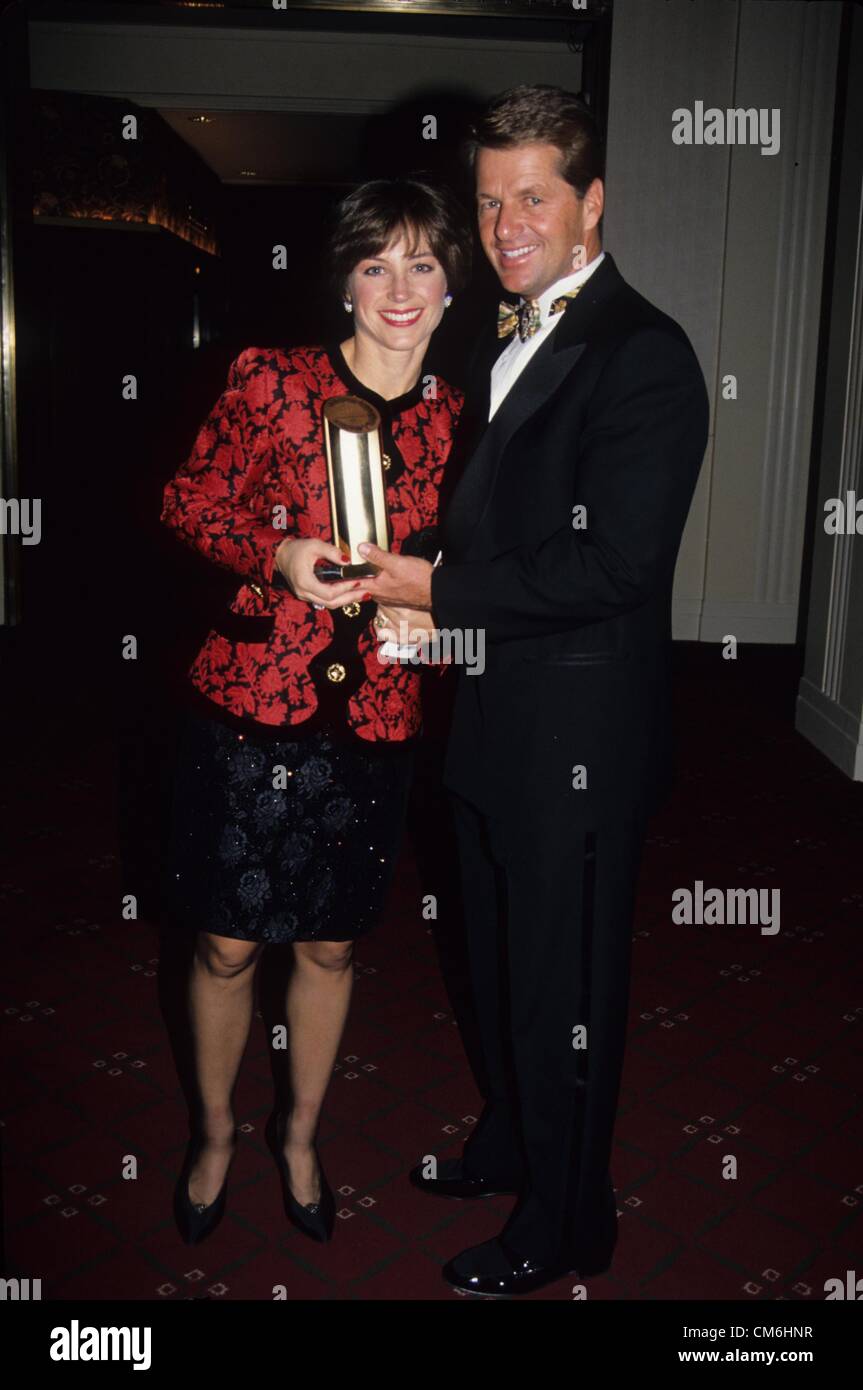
332 574
365 571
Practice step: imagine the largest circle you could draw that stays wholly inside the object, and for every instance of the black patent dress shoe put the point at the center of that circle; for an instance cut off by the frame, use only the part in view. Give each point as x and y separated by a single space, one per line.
315 1219
496 1271
452 1182
194 1220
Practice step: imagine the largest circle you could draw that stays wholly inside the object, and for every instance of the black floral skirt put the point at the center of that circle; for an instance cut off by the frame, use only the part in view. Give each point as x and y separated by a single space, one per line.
279 840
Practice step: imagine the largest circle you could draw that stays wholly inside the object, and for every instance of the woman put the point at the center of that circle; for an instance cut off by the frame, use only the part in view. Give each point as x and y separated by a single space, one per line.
294 766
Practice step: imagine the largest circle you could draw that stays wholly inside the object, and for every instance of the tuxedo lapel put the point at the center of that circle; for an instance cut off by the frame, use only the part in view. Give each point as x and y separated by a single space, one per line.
474 420
540 378
472 425
484 441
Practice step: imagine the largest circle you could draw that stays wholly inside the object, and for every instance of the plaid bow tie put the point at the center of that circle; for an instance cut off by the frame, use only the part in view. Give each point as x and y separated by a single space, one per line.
526 316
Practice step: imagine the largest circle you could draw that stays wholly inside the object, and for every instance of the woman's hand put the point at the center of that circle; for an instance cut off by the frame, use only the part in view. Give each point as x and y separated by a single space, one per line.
389 619
297 559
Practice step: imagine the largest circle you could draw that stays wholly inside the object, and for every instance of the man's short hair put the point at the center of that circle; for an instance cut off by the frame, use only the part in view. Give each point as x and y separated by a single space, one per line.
542 115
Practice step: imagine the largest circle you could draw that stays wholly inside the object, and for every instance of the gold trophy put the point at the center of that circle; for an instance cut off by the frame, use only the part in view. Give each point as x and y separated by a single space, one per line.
358 504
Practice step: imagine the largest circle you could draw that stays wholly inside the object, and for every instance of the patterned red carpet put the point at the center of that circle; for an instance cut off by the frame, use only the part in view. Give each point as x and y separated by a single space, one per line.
741 1044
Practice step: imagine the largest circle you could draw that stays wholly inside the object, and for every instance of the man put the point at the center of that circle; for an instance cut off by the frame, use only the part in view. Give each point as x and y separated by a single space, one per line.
582 437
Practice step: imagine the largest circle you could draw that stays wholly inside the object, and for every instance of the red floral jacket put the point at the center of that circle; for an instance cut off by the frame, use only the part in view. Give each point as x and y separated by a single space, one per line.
273 658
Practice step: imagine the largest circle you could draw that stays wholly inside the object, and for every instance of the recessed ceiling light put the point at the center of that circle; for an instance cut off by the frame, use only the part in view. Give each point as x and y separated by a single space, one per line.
249 173
200 120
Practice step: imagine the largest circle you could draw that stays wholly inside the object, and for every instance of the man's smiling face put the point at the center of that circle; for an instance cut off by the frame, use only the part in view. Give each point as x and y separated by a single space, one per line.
533 226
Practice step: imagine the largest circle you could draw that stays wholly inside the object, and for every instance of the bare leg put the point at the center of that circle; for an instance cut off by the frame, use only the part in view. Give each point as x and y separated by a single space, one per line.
318 998
220 1006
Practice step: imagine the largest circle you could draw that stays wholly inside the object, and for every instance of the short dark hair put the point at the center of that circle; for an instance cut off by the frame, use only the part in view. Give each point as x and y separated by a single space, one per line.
547 116
365 221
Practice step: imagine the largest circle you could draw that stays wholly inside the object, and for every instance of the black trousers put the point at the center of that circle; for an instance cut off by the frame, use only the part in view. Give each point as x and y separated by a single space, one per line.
548 912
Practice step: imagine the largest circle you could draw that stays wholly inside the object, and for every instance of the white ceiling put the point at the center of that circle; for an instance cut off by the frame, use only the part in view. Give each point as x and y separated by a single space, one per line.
294 105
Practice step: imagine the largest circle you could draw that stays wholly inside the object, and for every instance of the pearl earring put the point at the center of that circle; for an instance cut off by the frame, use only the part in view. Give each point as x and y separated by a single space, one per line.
348 306
447 300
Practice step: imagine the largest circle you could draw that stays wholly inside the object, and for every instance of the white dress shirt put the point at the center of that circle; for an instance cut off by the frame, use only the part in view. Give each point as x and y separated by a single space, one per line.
517 354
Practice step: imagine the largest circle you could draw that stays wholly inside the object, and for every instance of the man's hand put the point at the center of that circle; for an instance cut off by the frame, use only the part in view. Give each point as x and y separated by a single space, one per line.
404 581
403 625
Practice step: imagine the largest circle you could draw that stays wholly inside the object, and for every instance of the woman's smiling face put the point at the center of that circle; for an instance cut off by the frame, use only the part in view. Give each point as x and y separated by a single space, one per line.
398 294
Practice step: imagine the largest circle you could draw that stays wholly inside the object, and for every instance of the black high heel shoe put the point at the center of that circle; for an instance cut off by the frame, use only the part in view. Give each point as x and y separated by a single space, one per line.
315 1219
194 1221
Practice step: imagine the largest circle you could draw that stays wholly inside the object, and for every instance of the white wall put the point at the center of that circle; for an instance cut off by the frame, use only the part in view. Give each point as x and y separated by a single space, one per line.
730 243
830 699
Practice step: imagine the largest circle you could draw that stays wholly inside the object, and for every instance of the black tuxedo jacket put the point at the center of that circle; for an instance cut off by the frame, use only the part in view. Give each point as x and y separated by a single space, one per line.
572 712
